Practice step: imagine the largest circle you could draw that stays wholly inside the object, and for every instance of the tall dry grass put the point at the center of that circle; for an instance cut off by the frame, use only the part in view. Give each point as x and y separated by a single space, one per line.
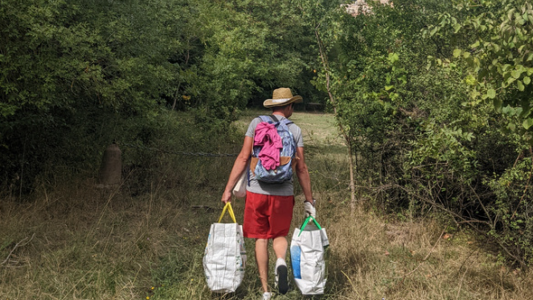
375 258
73 241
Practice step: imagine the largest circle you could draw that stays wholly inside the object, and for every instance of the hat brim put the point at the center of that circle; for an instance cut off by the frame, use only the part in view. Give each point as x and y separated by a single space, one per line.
281 102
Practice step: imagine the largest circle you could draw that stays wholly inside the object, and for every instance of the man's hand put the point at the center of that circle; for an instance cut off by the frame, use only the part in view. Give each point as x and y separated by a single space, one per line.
226 197
309 209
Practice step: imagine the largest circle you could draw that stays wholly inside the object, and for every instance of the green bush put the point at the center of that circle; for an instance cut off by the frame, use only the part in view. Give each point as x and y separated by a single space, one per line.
411 85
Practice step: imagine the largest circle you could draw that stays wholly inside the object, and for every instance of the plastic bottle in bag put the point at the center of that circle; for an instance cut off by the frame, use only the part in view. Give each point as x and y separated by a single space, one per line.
296 252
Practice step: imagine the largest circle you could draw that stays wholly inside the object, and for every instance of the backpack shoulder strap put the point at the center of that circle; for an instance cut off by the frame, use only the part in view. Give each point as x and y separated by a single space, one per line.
274 118
284 120
265 119
287 121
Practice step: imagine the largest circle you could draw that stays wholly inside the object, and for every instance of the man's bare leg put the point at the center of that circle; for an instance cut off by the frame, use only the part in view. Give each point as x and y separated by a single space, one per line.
280 246
261 257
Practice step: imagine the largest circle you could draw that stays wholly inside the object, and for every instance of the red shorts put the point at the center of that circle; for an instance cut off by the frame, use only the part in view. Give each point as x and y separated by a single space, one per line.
267 216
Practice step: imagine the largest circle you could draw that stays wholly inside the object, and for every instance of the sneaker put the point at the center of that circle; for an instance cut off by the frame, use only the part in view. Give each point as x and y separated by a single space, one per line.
267 295
281 276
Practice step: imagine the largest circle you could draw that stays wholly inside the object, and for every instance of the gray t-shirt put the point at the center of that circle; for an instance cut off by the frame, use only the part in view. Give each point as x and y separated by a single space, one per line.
278 189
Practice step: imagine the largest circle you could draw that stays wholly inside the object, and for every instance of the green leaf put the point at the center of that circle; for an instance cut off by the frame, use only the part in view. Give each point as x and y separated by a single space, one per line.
491 93
516 74
470 80
393 57
527 80
520 86
527 123
475 45
508 110
456 52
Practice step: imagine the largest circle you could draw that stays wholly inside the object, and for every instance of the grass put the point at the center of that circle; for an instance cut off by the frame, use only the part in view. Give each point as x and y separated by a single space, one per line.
72 241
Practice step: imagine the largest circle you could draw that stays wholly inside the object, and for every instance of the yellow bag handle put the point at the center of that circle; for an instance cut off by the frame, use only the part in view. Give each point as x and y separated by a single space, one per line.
230 211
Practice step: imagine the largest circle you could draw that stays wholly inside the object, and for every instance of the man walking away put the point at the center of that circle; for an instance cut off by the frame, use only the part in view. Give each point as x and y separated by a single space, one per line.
270 201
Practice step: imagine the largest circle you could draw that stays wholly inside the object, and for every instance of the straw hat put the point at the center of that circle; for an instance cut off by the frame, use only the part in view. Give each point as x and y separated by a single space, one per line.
281 97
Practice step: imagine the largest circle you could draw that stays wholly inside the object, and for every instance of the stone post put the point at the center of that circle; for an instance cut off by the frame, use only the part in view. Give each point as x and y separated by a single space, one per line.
111 169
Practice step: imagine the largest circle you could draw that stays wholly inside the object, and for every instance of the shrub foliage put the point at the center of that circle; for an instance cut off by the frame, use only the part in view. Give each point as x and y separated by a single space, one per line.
76 75
435 101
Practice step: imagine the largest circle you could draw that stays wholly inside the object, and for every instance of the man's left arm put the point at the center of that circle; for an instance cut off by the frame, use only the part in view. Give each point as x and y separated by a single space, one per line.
303 175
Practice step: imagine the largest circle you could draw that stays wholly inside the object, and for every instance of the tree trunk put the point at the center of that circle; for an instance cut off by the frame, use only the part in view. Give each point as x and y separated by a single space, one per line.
347 139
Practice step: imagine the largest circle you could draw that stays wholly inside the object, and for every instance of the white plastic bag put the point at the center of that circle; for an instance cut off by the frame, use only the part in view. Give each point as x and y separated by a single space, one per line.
225 257
308 250
239 190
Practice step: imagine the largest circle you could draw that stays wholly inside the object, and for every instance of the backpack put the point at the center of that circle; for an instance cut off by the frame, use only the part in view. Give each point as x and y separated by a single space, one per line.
284 171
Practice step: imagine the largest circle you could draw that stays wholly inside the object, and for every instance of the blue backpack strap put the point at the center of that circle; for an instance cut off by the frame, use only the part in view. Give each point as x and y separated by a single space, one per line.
273 119
286 121
266 119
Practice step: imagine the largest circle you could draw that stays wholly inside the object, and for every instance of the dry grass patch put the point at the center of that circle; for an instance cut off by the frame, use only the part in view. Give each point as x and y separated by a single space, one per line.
416 260
87 243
